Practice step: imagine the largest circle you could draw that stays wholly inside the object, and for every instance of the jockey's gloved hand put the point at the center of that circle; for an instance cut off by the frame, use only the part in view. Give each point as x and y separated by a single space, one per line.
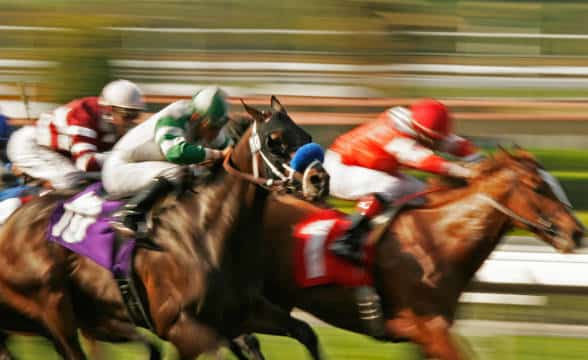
213 154
459 171
474 158
226 151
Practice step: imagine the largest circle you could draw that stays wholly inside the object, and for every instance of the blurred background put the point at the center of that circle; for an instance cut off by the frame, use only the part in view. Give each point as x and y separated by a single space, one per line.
511 71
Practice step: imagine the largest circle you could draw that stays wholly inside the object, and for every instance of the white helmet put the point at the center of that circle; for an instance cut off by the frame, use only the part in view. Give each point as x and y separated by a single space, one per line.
122 94
211 102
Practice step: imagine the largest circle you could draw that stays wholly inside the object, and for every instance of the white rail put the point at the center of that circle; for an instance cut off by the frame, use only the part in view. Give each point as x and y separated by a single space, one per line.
282 31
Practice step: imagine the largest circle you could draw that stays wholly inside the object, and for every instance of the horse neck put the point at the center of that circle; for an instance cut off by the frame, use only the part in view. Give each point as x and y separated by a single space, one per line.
241 157
282 214
228 207
459 235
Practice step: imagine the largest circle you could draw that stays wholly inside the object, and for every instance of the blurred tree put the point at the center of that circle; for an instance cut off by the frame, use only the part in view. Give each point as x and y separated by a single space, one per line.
81 44
82 55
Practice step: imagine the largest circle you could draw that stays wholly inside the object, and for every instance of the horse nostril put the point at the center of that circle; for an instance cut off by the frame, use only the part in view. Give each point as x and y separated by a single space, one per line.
578 236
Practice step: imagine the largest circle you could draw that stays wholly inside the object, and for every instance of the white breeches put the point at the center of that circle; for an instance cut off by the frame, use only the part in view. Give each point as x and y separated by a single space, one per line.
122 177
7 207
353 182
40 162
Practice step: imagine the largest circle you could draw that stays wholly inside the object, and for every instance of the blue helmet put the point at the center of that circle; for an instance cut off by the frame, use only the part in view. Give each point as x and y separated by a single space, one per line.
305 155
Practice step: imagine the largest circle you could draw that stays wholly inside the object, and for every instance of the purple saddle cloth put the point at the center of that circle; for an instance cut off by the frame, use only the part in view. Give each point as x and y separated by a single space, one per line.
82 224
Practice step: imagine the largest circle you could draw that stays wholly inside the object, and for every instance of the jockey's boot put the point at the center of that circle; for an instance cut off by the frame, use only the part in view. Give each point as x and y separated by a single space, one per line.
130 220
349 245
370 312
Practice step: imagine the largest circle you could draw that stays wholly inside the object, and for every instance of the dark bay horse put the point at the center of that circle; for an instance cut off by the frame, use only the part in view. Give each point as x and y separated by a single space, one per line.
205 282
428 255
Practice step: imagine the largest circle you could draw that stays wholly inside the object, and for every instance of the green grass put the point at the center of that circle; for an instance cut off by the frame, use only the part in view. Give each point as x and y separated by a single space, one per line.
343 345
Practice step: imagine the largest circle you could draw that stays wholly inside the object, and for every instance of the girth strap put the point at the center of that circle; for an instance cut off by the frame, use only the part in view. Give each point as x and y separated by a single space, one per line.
129 292
133 303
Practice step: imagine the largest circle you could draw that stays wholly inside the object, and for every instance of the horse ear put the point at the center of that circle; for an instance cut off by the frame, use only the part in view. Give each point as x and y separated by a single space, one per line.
256 114
276 105
521 153
502 154
502 149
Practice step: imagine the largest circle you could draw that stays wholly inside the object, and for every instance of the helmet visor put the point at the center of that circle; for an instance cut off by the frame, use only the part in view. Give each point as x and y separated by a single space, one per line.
217 122
125 113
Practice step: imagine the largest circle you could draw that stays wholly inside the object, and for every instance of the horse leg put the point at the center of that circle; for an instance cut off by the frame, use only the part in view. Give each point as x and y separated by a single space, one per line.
238 349
4 353
431 333
190 337
117 331
246 344
58 317
265 317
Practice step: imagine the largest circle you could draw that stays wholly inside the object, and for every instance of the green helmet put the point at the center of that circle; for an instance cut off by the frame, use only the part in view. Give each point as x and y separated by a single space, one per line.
211 103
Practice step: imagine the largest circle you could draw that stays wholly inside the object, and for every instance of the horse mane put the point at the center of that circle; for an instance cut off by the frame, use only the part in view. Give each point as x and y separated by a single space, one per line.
190 217
236 127
445 189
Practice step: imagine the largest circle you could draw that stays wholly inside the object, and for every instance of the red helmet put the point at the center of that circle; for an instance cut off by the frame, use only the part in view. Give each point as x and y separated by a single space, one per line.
431 118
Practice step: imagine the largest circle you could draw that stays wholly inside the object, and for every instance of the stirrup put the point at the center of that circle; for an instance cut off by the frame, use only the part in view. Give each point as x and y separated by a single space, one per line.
370 312
121 222
122 229
346 251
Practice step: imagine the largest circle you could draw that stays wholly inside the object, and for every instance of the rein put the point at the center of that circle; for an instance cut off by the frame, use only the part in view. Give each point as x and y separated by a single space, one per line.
268 183
255 148
543 225
263 182
408 198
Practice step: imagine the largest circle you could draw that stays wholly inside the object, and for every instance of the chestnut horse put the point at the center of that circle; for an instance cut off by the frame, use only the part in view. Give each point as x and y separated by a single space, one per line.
428 255
204 282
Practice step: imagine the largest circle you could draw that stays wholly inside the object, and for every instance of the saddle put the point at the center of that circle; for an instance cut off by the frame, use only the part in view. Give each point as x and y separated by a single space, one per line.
82 225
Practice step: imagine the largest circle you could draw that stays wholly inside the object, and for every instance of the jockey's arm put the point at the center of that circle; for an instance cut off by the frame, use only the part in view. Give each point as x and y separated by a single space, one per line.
221 141
462 148
170 135
84 144
411 154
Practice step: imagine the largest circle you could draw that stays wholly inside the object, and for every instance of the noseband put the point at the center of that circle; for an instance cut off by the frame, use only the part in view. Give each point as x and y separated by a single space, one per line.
256 151
541 225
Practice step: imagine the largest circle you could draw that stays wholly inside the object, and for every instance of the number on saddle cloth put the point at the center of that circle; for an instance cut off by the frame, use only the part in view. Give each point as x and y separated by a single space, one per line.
315 264
82 225
78 216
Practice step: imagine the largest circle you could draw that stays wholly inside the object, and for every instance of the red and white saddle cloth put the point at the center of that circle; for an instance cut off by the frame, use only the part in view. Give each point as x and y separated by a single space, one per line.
315 264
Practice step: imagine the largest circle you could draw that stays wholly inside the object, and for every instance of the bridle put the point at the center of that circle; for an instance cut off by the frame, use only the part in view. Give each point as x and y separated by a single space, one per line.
256 152
541 225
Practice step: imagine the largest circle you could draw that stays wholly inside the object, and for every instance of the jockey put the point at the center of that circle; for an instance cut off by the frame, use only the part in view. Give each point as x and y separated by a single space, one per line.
70 141
147 160
367 160
5 132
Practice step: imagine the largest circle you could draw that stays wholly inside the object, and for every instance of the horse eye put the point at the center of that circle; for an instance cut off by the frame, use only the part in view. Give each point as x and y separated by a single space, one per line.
274 142
315 179
542 189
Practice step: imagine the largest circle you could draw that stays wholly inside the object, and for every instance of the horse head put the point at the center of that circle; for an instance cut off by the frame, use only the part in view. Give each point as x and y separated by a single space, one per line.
534 199
272 141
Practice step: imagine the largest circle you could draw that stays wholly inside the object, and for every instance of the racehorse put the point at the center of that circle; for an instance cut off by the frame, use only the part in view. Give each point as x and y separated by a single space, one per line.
427 256
204 282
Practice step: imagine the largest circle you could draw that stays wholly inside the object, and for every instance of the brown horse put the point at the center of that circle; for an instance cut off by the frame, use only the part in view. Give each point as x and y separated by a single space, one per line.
428 255
205 282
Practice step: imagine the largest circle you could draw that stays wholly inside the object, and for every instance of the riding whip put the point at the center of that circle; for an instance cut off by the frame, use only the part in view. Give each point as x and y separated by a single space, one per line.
25 99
